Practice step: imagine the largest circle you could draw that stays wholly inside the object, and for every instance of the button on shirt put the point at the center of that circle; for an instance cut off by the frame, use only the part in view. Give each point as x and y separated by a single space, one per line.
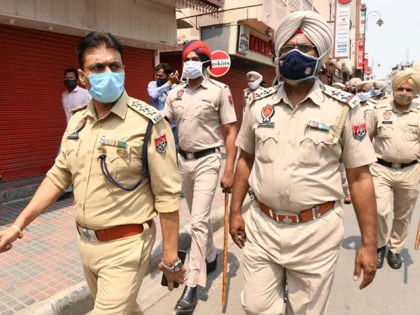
296 166
72 100
396 135
199 112
98 203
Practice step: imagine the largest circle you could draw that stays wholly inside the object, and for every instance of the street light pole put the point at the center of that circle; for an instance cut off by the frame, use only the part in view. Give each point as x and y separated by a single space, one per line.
377 16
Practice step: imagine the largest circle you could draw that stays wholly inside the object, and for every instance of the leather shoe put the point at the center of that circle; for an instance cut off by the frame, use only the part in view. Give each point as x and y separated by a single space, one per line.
188 301
381 255
394 260
211 266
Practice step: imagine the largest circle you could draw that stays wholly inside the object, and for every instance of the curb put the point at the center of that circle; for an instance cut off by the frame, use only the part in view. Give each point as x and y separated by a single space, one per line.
77 298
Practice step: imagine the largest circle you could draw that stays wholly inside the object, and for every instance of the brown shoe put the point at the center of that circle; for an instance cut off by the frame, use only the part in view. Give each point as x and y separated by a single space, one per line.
347 199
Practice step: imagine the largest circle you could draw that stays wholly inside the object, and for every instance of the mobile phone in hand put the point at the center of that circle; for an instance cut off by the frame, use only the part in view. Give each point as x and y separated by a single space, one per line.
181 254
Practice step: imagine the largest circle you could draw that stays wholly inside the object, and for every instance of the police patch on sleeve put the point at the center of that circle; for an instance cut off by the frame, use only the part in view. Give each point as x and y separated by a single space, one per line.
359 131
161 144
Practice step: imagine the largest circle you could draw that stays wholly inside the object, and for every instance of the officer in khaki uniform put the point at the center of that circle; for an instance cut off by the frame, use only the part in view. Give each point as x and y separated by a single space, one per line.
363 91
200 106
378 92
255 79
114 151
395 128
292 143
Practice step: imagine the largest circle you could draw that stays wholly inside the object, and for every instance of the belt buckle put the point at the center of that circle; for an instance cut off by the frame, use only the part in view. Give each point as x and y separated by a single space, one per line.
88 234
315 212
287 216
396 166
190 156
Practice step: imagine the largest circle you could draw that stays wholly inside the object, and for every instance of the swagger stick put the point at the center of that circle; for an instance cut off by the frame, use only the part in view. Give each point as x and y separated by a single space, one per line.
416 245
225 249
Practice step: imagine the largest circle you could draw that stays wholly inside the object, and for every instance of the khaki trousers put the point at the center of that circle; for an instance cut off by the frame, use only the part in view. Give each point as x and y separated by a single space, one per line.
199 183
115 270
306 252
401 186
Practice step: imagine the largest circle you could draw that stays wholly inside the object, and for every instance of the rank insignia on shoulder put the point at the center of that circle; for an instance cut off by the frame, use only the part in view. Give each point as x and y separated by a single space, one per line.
74 135
261 93
161 144
342 96
359 131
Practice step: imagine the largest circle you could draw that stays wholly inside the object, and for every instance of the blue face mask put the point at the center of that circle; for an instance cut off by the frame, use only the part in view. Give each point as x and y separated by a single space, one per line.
160 82
297 66
106 87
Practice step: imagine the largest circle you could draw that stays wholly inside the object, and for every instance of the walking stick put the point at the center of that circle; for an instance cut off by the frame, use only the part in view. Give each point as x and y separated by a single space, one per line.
225 249
416 245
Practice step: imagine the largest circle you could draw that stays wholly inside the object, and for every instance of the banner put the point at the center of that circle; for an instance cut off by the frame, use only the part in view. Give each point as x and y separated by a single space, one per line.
342 30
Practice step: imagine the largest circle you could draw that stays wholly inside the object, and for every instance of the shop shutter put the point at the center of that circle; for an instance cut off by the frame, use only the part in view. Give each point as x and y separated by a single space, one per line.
32 119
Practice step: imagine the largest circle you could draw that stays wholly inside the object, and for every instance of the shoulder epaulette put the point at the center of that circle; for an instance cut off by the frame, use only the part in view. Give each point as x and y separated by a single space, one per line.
342 96
373 101
217 83
259 94
145 109
84 106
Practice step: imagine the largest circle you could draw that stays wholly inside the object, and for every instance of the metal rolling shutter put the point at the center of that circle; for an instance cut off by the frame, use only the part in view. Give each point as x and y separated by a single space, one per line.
32 119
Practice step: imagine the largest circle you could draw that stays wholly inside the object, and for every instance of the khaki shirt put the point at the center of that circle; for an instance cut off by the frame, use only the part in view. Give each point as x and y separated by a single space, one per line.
396 135
368 107
199 113
98 203
295 168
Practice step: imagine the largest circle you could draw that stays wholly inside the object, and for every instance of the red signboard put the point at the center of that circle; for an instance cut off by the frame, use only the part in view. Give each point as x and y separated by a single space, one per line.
220 63
261 46
360 53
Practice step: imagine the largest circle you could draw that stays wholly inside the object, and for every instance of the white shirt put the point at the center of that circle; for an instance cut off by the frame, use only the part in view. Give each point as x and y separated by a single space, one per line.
74 99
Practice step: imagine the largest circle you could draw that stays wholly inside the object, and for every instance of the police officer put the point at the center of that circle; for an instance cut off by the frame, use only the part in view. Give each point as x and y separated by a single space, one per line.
364 92
378 91
114 151
200 106
353 83
255 79
395 126
292 143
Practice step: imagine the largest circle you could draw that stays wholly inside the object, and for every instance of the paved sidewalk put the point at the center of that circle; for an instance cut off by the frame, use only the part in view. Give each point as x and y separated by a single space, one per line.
43 269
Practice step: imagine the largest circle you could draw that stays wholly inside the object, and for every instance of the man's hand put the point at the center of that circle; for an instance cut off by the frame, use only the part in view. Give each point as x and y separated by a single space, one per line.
366 261
237 229
227 181
7 237
173 276
173 77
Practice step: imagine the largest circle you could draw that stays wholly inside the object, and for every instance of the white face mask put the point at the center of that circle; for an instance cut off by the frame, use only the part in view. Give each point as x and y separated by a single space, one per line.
254 85
376 92
363 96
192 70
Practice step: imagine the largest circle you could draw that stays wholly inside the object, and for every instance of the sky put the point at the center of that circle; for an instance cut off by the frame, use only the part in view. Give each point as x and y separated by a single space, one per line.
398 39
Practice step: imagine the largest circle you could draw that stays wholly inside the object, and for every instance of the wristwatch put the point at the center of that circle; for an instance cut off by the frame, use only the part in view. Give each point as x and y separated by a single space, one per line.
175 267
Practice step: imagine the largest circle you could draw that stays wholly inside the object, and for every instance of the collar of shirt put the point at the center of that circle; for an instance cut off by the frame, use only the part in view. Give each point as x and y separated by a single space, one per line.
315 94
413 107
119 108
75 90
203 84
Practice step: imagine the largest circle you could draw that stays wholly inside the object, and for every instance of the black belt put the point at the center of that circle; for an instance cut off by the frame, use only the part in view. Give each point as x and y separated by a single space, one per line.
396 165
196 155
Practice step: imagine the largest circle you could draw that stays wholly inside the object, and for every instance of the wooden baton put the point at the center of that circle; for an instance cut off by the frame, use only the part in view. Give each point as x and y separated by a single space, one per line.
416 245
225 249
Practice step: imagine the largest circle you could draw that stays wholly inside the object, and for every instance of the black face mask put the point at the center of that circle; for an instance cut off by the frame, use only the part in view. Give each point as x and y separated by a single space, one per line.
160 82
71 84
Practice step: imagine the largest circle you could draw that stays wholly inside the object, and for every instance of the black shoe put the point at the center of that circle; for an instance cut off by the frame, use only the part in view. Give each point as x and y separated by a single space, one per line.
188 301
381 255
211 266
394 260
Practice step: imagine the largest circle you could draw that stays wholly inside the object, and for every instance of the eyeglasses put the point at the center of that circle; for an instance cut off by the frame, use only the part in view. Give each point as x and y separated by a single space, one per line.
305 48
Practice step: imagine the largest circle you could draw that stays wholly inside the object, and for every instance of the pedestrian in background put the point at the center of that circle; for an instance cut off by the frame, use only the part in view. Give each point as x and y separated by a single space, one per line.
292 143
118 183
158 90
394 128
74 95
201 107
363 91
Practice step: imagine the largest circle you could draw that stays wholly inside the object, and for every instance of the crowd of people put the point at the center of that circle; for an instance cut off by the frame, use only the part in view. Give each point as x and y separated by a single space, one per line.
303 146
